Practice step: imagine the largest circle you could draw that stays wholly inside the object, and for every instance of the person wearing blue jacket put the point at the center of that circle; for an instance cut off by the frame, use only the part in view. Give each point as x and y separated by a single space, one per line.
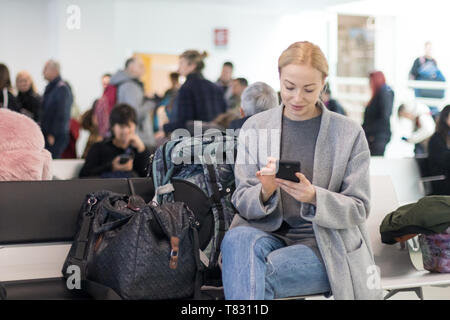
198 98
56 107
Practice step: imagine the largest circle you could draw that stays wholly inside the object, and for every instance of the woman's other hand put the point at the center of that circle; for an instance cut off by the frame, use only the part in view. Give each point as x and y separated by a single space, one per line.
302 191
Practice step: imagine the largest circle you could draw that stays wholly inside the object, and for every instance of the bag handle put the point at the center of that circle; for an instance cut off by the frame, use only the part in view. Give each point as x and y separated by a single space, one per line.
199 273
82 239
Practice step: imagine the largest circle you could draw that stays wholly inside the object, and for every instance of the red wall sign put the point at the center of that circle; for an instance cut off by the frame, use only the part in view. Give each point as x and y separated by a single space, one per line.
221 37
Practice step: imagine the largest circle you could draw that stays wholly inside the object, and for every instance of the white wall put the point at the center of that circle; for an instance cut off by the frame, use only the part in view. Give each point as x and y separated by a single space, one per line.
35 30
255 39
25 44
112 29
86 54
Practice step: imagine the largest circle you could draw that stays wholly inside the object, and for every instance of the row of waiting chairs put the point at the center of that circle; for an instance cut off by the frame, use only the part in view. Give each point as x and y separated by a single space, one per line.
31 264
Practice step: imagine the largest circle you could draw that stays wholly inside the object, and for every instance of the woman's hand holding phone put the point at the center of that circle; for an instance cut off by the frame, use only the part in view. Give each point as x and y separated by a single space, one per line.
302 191
267 178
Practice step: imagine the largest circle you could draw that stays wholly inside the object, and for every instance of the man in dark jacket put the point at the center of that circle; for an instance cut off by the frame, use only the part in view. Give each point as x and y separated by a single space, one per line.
56 106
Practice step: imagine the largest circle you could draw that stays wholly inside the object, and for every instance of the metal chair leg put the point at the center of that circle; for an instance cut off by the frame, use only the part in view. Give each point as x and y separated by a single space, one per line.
417 290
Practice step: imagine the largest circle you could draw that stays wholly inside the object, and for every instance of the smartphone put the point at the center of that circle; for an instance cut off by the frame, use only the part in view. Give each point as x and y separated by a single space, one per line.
287 170
124 158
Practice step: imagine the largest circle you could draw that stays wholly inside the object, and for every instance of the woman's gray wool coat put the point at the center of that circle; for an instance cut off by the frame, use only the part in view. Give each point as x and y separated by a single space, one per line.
341 180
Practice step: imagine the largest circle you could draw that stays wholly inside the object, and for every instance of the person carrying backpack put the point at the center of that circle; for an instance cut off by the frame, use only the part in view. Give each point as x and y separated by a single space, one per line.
130 90
425 69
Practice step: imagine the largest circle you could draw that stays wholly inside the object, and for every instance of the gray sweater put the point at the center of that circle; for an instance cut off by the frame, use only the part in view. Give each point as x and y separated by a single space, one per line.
298 141
341 180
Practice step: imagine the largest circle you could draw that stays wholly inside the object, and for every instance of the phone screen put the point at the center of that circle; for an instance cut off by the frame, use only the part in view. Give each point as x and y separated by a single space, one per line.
287 170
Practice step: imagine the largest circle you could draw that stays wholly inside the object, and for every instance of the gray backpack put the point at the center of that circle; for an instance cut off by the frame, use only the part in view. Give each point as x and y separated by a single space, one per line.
199 171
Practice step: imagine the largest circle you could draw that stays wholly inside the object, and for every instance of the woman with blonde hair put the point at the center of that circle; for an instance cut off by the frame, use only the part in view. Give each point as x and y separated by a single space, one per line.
306 237
30 102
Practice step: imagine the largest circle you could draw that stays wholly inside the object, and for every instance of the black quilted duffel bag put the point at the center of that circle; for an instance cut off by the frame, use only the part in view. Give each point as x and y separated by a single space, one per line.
127 249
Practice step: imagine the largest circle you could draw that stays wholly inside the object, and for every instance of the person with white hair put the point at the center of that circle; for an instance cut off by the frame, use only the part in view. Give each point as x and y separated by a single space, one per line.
256 98
417 125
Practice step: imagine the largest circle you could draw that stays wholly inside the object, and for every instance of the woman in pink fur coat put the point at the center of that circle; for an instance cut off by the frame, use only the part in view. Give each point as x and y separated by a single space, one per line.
22 152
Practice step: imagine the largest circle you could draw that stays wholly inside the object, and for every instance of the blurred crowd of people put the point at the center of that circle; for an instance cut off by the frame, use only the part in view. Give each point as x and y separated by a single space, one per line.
126 125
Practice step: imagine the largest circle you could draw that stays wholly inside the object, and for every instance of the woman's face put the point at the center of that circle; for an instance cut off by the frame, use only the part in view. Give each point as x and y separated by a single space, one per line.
300 87
23 83
185 68
123 132
448 120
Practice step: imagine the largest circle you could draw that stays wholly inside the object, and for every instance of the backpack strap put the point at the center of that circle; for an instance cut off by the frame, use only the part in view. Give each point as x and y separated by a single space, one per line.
199 273
216 201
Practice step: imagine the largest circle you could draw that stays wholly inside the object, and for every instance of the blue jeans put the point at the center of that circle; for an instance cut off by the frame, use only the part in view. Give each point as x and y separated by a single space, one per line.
258 265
